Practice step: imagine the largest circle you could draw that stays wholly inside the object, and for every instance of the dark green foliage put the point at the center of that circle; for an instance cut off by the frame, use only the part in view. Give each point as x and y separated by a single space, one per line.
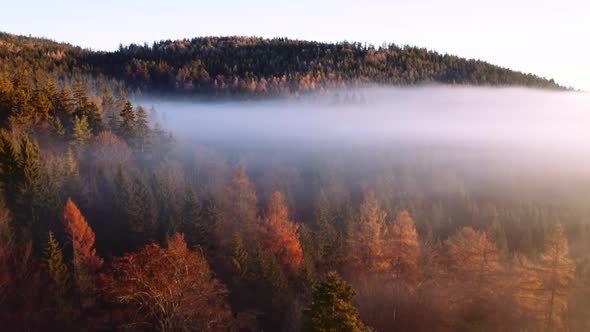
59 282
192 224
331 308
136 207
127 128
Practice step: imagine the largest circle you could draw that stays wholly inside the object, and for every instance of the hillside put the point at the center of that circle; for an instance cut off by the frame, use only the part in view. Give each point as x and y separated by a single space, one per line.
247 65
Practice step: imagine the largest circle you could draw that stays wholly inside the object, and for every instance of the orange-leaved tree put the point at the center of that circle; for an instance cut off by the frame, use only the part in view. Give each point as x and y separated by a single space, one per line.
366 237
170 289
281 236
82 238
86 262
404 247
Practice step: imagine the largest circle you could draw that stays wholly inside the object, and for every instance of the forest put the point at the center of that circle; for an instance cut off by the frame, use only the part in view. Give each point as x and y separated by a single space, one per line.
109 220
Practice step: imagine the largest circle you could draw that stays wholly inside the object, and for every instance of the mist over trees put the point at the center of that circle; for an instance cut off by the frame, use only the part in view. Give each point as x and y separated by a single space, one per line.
108 221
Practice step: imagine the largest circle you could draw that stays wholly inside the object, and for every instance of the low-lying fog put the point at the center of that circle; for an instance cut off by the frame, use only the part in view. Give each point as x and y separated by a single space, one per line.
505 116
493 134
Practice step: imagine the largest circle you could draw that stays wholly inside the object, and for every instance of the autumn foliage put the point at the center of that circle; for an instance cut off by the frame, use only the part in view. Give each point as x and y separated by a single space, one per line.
170 289
82 238
279 235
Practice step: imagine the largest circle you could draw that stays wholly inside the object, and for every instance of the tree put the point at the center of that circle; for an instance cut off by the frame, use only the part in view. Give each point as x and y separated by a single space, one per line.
478 279
86 262
331 307
59 279
366 238
170 289
559 271
136 207
142 129
192 224
94 118
279 235
82 132
240 207
82 238
404 247
127 127
326 236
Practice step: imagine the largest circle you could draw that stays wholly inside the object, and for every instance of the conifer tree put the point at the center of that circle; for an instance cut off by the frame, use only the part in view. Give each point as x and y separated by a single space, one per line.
239 256
81 132
332 308
59 279
127 127
240 207
95 118
142 129
192 224
326 236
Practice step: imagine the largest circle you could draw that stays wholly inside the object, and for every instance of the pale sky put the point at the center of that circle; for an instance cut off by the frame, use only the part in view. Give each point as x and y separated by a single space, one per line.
550 38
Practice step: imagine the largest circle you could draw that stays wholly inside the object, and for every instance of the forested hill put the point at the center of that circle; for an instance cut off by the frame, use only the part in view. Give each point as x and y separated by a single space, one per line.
247 65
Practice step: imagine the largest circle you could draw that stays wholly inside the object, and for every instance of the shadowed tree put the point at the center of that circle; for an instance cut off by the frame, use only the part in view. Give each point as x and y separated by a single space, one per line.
332 309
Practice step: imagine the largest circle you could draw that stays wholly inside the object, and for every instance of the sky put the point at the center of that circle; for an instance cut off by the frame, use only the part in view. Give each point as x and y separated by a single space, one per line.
549 38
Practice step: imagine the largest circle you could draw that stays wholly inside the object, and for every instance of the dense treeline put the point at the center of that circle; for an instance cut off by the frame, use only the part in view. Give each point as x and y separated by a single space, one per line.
107 223
224 66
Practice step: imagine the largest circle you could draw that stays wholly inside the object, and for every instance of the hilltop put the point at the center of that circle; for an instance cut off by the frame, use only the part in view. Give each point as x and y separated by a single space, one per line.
252 66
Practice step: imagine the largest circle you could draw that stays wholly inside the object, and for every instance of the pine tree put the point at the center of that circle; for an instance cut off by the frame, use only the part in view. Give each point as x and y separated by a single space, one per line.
331 308
109 108
29 196
59 280
81 132
127 128
239 256
192 224
81 98
326 237
239 212
95 118
143 132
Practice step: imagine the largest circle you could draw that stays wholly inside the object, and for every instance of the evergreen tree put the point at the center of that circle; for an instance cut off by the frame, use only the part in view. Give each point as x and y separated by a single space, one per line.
59 280
81 132
127 127
192 224
239 257
142 129
326 237
95 118
331 308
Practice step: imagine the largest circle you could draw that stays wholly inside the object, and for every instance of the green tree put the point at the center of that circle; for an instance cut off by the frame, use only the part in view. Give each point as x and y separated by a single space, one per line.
59 280
81 132
196 231
142 129
331 308
127 126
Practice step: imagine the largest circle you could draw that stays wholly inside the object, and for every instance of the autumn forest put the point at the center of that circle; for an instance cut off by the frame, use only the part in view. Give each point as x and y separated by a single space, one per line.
114 217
